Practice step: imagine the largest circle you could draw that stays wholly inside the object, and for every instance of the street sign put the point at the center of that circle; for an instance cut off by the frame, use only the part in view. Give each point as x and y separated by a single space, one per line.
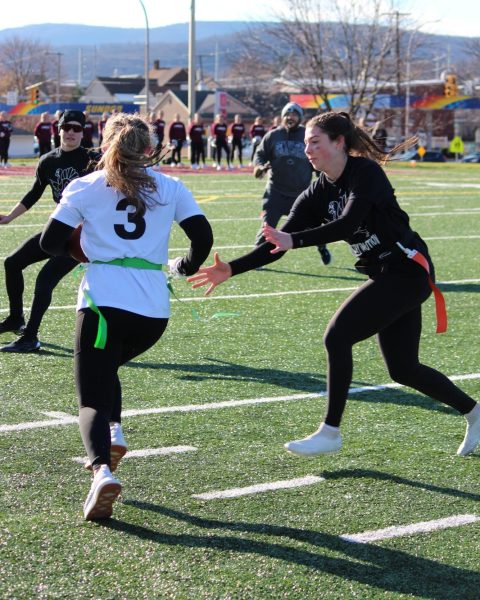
456 145
12 98
421 151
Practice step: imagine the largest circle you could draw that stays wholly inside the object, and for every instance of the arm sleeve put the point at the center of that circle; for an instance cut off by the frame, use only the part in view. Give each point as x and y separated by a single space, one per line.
55 237
258 257
36 191
199 232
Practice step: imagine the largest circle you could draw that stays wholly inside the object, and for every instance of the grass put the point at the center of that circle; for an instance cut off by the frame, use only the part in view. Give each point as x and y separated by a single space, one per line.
398 465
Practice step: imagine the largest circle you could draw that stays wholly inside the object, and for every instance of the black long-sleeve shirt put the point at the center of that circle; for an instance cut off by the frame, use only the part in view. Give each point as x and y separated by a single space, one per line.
360 208
57 169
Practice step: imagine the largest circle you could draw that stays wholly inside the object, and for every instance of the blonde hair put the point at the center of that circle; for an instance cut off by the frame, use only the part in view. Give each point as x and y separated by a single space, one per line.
128 141
357 141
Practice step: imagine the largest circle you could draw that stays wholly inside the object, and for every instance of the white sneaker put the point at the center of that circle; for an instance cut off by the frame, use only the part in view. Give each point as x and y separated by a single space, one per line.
118 447
219 168
103 493
472 435
324 441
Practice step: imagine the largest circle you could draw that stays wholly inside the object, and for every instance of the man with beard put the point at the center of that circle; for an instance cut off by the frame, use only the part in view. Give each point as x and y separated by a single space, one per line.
281 154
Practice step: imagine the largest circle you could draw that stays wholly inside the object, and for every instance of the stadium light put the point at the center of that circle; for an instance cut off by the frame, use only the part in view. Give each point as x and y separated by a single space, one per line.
147 60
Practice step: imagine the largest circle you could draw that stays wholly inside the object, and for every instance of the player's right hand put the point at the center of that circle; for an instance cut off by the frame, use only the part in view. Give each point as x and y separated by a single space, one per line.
260 170
212 276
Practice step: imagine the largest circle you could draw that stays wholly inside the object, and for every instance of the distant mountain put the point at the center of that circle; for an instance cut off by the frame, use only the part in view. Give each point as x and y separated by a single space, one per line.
90 50
87 35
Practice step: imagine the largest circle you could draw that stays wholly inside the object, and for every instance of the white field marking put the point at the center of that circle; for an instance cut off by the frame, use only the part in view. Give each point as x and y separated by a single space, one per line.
146 452
457 212
69 419
453 185
414 528
262 295
260 487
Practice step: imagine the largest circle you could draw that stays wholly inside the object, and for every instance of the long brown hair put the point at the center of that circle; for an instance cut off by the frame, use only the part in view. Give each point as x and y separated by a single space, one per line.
357 141
129 142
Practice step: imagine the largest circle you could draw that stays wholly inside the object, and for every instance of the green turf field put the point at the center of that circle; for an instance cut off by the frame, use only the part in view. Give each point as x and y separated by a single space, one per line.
221 396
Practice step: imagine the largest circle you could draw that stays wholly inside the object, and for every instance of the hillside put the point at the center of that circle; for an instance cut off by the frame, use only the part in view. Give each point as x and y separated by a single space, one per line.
90 50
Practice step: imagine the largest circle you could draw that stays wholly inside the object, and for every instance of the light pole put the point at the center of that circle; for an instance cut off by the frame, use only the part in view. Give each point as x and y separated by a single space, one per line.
191 62
59 70
407 76
147 60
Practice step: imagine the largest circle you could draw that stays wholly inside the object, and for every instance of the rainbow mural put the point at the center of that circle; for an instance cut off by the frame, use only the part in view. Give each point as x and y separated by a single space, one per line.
338 101
28 108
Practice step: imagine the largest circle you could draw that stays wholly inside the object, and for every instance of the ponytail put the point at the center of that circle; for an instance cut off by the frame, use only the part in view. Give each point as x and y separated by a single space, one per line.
357 141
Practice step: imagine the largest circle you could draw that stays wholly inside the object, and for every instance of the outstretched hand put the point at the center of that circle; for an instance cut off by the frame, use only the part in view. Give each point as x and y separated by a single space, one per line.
280 239
212 276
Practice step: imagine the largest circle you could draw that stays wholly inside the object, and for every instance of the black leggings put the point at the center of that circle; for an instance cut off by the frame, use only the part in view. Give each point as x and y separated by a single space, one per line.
99 391
197 150
237 143
390 307
48 277
221 143
4 146
177 152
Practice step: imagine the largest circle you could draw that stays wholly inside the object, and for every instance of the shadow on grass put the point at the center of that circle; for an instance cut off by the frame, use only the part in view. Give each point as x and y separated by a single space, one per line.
296 381
460 287
386 569
328 274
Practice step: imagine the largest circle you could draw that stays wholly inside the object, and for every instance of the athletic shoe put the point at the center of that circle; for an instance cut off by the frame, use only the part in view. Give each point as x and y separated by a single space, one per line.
219 168
325 255
15 324
324 441
25 344
103 493
472 435
118 447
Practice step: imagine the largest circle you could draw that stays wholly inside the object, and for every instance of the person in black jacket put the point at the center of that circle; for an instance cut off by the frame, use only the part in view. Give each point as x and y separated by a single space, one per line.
281 154
6 130
55 169
353 200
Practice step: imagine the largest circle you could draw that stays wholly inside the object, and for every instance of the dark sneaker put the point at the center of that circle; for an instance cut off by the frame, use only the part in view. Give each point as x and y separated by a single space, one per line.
15 324
24 344
325 255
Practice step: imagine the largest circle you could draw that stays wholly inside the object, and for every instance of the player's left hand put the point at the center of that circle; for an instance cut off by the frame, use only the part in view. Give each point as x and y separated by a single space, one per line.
280 239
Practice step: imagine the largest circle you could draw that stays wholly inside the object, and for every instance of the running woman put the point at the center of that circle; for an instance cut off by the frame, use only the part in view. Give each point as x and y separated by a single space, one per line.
353 200
127 211
55 169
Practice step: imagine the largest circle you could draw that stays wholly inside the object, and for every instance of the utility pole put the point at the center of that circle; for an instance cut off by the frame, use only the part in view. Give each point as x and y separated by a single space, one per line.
397 15
59 71
191 63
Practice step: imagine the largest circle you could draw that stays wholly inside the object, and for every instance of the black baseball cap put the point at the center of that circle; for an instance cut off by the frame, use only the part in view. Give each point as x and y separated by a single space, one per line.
72 115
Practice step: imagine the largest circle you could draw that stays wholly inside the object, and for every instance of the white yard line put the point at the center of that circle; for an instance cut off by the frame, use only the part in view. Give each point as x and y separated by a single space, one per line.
146 452
66 419
414 528
260 487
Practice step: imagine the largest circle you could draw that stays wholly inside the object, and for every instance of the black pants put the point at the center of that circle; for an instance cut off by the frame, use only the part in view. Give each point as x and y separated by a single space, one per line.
4 146
197 150
221 144
48 277
389 306
96 371
177 152
237 143
44 147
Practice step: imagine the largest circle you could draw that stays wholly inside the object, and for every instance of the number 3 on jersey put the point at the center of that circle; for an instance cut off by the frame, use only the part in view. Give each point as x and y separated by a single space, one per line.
136 220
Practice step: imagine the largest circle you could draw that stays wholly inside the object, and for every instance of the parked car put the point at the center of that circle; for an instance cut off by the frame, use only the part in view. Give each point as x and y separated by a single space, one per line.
472 158
431 156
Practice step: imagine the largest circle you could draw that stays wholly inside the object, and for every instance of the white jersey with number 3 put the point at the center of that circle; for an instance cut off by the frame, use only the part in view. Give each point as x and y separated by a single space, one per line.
111 230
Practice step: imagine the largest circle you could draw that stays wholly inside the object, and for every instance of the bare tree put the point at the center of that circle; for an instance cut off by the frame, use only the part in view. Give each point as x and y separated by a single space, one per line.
24 62
322 47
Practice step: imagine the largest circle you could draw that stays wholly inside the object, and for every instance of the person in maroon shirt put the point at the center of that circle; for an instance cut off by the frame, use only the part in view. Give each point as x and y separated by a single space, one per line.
89 128
43 133
237 131
101 126
55 132
6 129
219 133
196 133
159 129
257 131
177 135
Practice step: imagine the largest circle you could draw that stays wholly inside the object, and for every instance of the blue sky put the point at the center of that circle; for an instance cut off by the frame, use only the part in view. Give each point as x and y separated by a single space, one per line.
455 17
